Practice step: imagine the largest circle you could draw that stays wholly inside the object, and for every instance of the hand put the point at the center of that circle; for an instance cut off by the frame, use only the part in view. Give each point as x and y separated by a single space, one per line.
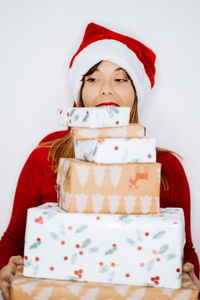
7 275
189 269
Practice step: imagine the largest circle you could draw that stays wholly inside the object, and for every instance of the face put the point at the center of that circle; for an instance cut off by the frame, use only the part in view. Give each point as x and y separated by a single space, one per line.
108 85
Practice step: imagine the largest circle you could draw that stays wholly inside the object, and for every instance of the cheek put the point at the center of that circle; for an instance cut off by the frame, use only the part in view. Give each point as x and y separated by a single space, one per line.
127 95
88 95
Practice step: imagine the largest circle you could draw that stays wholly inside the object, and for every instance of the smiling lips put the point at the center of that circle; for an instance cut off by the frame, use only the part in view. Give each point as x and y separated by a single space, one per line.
107 103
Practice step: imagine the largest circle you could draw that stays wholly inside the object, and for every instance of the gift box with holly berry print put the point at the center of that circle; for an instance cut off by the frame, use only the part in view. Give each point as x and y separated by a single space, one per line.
143 250
107 188
116 150
94 117
129 131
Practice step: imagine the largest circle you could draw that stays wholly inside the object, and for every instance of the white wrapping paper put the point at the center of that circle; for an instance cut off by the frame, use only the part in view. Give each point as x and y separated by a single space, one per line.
123 249
116 150
94 117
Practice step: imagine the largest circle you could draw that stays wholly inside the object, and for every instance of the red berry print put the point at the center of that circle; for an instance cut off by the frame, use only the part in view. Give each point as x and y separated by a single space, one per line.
77 246
116 148
156 282
142 264
157 258
62 242
175 223
81 252
114 245
139 248
69 227
50 206
36 258
80 271
149 155
157 278
51 268
60 111
67 114
117 122
98 218
70 120
112 264
177 270
127 275
152 278
87 112
79 276
146 233
65 258
154 251
39 220
101 263
38 240
26 257
76 272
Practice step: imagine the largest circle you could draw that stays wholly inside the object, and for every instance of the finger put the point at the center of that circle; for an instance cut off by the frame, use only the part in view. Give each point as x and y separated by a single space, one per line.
188 267
7 276
5 290
16 260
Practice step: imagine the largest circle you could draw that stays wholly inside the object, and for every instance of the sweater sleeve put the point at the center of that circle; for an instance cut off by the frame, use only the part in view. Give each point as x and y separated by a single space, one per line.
27 195
179 196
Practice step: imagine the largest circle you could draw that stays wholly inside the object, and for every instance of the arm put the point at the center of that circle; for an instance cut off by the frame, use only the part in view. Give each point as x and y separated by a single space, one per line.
179 196
27 195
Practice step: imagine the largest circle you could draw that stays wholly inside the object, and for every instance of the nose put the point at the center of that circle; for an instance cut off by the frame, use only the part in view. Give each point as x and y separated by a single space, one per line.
106 89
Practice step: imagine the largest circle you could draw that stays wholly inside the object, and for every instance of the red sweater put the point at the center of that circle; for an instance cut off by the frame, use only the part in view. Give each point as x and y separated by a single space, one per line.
37 185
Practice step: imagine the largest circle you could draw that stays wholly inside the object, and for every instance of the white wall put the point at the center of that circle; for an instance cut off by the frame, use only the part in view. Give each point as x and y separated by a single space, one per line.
38 38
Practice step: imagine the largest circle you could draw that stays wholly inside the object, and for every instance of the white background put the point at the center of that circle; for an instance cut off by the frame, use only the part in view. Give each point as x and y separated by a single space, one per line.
38 39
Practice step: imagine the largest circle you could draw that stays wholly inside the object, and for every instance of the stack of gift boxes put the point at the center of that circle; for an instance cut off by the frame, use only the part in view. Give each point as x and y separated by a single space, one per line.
107 226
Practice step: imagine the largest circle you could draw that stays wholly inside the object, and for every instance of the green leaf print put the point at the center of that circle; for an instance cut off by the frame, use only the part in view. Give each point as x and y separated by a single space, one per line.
35 245
158 234
110 251
104 269
49 215
74 258
150 265
131 242
54 236
72 278
86 243
110 112
93 250
28 263
94 151
114 109
72 112
163 249
82 228
76 117
125 219
170 256
85 118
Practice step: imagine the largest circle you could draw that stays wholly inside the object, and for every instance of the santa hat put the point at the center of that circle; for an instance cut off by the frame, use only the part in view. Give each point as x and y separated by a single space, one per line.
100 43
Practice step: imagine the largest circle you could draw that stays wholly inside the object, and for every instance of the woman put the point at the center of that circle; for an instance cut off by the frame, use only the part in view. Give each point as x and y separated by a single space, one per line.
121 72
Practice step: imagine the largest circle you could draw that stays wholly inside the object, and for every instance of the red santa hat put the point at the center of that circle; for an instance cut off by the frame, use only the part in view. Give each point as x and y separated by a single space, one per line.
100 43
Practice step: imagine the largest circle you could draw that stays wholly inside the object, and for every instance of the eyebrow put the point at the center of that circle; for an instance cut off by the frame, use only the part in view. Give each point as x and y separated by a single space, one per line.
117 69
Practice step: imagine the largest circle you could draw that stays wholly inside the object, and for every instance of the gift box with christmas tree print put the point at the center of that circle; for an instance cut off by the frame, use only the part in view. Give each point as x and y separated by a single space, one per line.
144 250
98 188
27 288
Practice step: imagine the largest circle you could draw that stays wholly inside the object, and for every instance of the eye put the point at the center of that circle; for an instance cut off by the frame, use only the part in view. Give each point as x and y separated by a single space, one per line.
121 80
92 79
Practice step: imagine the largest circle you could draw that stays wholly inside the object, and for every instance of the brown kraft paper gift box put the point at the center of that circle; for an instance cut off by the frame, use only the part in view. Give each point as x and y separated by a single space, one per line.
26 288
108 188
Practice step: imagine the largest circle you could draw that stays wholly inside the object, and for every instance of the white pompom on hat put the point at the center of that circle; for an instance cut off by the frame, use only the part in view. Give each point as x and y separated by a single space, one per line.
100 43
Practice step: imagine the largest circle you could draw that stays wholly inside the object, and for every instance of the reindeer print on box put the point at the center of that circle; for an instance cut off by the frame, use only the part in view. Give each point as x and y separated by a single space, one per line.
106 188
